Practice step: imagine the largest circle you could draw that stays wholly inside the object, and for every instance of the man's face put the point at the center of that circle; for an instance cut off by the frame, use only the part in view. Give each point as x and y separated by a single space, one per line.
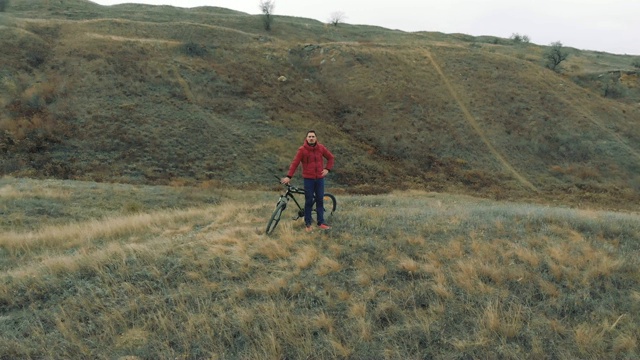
311 138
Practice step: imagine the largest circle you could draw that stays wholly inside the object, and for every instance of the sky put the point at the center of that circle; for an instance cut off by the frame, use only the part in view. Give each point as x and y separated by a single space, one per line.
611 26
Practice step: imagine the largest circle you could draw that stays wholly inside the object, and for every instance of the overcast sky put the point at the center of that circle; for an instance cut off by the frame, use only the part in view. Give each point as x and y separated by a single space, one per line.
605 25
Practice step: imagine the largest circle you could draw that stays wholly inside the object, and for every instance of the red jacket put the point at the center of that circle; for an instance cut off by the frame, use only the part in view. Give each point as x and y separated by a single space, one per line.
312 158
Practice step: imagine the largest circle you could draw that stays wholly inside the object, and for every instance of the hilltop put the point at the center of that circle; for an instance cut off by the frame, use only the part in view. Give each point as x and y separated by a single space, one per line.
162 95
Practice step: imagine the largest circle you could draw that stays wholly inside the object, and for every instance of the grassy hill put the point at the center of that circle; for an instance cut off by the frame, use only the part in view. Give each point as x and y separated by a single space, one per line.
157 94
118 271
487 206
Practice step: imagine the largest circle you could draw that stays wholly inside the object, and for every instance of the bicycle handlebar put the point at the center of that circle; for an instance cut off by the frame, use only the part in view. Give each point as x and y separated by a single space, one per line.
290 187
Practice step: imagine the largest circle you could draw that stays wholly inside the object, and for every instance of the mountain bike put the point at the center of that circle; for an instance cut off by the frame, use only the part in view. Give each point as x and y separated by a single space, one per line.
329 202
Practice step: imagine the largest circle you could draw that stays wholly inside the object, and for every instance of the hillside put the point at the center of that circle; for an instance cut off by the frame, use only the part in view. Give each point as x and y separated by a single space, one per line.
157 95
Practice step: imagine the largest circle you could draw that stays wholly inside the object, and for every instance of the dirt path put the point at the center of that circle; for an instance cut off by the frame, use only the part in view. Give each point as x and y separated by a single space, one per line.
184 85
141 40
476 126
570 101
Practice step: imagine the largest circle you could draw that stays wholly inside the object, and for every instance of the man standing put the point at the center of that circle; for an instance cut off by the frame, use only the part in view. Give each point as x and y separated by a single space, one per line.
312 155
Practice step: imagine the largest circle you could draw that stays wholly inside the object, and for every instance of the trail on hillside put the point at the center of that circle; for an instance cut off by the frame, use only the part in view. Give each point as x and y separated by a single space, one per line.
184 85
569 100
208 26
122 38
476 127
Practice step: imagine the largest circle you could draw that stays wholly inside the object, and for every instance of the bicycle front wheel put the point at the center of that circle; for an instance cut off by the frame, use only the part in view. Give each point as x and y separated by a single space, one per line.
275 217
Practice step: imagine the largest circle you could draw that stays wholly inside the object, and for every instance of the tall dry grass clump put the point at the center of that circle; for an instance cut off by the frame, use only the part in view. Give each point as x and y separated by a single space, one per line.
401 275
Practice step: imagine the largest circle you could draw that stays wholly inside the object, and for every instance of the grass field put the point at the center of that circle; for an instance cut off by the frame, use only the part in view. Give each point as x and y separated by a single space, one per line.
112 271
488 207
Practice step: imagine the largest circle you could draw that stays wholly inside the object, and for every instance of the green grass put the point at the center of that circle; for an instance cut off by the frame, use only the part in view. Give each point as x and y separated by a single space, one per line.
408 274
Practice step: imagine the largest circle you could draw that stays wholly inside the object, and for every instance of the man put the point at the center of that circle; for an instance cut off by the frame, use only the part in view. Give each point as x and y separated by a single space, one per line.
312 155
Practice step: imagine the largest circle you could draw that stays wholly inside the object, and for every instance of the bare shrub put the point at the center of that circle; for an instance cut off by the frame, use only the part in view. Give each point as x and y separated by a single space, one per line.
555 55
336 18
520 39
266 7
194 49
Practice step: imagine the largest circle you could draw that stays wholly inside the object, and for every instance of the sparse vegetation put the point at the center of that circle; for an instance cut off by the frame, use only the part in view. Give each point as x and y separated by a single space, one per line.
337 17
267 7
555 55
612 88
520 39
401 275
636 63
194 49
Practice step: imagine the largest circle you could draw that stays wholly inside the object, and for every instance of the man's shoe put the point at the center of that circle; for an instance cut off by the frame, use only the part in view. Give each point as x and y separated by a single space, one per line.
308 229
324 226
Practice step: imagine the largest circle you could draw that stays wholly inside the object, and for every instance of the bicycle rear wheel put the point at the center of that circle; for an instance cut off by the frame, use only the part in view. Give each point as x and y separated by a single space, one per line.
275 217
329 202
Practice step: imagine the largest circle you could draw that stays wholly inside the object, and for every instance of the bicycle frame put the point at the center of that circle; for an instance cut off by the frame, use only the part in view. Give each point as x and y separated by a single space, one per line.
288 195
283 201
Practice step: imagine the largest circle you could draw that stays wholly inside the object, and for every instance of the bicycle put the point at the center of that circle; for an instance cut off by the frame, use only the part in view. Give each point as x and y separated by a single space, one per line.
329 202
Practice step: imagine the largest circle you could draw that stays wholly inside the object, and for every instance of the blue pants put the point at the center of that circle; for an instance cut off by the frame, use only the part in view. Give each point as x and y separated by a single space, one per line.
313 190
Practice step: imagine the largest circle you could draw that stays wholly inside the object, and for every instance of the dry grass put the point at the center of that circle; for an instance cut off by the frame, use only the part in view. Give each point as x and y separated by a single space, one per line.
9 192
97 270
436 276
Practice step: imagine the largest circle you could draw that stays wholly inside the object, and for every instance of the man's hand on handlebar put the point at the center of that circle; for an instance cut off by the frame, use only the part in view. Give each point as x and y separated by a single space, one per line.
285 181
